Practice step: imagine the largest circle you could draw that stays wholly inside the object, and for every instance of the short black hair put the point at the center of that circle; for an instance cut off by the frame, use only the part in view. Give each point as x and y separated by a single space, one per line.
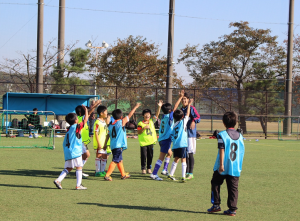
166 108
186 95
229 119
79 110
146 111
117 114
71 118
178 114
101 109
35 109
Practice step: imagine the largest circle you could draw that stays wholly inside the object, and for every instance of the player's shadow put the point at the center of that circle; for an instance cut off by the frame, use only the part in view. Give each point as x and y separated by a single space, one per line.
34 173
148 208
24 186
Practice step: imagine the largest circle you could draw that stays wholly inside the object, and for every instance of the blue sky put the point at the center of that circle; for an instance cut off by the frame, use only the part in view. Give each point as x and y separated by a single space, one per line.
18 23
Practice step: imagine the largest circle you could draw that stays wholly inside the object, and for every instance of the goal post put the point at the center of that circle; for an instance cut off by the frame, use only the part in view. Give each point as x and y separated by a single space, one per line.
15 128
282 128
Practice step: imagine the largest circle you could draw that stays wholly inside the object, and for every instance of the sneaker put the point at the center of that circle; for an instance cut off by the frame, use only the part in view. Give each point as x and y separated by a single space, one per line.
30 136
172 178
57 184
165 172
149 171
182 180
190 176
102 174
155 177
214 208
85 176
81 187
98 174
229 212
108 178
127 175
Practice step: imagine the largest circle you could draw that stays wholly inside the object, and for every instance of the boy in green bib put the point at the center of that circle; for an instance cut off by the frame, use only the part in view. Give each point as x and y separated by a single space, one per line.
147 137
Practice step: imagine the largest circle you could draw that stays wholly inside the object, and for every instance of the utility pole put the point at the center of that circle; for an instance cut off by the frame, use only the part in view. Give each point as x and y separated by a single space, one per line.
169 84
40 36
61 33
289 73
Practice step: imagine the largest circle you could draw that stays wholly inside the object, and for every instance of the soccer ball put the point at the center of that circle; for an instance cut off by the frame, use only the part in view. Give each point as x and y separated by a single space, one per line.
35 135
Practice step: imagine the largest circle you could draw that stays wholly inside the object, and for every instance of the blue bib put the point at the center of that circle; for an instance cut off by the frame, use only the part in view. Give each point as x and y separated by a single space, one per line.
117 135
166 126
233 155
179 136
72 145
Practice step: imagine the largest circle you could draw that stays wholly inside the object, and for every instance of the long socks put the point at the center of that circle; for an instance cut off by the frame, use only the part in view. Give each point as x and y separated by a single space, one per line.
157 166
103 164
121 168
173 168
183 165
63 174
166 164
98 165
79 177
111 168
190 163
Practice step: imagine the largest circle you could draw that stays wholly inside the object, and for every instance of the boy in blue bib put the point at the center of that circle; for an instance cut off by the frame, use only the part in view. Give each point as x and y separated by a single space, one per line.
228 165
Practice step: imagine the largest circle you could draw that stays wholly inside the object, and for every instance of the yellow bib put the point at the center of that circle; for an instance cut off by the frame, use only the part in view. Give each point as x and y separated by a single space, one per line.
100 130
148 136
85 135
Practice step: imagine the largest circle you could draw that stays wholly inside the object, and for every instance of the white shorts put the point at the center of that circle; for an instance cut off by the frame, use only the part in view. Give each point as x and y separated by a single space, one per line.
192 145
77 162
84 148
102 151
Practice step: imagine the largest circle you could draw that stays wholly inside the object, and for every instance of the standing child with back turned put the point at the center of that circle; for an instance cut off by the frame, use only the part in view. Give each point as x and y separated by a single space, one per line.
228 165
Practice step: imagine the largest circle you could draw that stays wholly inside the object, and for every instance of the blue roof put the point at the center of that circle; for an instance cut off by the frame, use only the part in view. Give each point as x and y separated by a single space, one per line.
60 104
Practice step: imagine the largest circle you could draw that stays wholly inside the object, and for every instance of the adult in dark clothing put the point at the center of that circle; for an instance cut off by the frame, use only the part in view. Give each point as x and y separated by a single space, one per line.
33 122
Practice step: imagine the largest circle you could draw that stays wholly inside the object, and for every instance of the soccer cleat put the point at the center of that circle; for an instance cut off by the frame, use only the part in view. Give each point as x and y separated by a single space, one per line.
190 176
57 184
229 212
214 208
165 172
30 136
80 187
98 174
182 180
155 177
172 178
127 175
85 176
102 174
108 178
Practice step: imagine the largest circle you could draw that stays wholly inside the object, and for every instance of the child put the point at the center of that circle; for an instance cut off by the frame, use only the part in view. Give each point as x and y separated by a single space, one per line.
72 146
118 142
179 139
194 118
164 139
85 131
228 165
147 137
100 132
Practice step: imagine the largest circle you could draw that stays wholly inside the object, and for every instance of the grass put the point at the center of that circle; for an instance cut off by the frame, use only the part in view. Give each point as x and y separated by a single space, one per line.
268 188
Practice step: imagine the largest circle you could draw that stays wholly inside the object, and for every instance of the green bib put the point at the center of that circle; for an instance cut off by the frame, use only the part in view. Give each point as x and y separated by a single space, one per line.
148 136
85 134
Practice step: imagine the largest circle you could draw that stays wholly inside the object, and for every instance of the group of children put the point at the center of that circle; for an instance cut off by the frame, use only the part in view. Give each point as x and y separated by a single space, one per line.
177 127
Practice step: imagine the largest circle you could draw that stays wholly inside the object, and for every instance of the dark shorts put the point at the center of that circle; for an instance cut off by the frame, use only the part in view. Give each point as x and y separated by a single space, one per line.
117 155
180 152
165 145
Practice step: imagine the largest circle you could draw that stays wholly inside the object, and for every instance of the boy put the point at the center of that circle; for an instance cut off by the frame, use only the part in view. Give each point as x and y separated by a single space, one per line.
85 131
194 118
33 122
179 139
147 137
228 165
164 139
72 146
118 142
100 132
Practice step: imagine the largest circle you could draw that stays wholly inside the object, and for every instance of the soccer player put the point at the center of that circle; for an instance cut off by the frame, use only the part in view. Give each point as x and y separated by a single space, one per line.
164 138
194 118
118 142
100 132
147 137
85 131
179 139
228 165
72 147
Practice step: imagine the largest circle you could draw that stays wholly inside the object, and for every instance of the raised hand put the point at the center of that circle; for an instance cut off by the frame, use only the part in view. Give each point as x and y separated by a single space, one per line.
160 103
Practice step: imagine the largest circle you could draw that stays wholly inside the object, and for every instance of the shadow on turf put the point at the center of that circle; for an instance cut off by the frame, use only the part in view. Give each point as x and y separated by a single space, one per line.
38 187
146 208
35 173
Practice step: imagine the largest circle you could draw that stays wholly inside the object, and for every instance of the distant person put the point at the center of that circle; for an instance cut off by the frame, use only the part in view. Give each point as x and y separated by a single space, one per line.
92 119
33 122
228 165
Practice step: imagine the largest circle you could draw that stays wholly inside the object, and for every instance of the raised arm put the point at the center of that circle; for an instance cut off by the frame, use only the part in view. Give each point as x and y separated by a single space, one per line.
92 108
160 103
86 115
189 107
124 121
181 95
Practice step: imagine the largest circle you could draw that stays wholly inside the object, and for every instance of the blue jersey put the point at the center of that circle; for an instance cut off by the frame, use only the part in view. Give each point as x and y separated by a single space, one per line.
194 116
117 134
72 144
233 155
166 126
179 134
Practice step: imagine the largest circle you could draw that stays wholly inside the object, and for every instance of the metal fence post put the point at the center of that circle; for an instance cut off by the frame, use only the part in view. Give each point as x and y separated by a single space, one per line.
116 101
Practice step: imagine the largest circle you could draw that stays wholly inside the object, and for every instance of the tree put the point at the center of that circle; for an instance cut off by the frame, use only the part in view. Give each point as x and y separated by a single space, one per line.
234 55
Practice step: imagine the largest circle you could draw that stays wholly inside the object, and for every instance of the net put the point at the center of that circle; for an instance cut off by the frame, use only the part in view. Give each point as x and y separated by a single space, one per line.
283 133
27 129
